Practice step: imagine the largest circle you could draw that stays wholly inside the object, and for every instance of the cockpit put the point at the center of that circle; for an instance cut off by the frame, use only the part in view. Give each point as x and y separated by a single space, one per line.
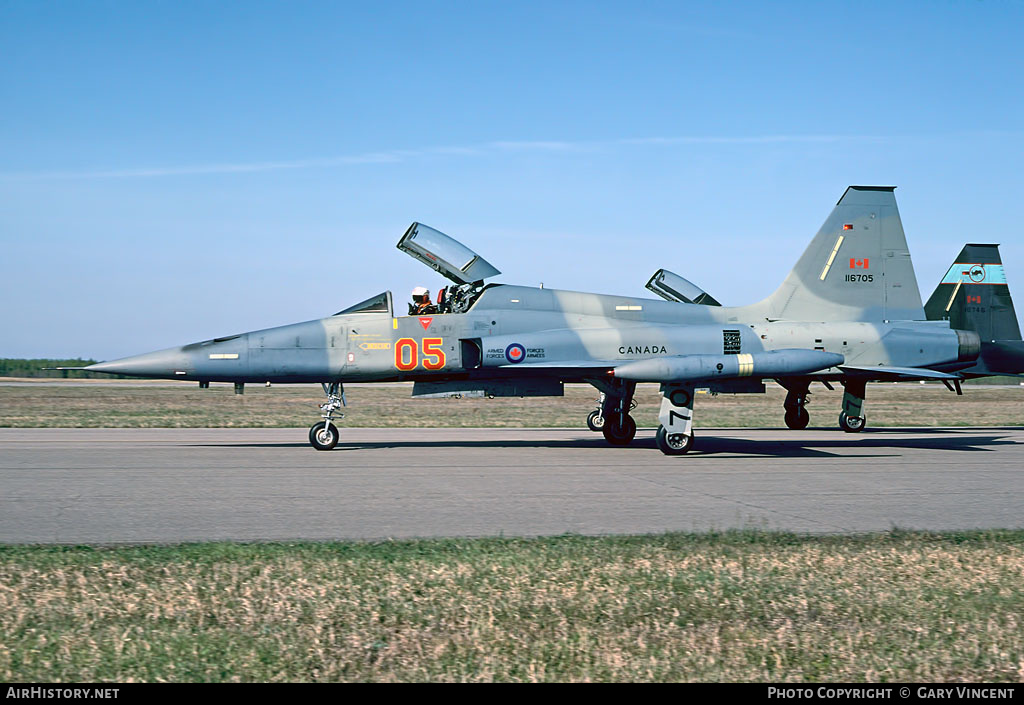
448 257
452 260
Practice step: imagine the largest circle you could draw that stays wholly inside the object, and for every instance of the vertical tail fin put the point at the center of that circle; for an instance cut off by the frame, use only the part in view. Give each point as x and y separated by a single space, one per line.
973 295
857 268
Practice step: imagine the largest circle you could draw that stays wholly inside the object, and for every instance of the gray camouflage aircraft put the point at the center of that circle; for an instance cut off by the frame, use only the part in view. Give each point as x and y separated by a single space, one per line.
849 312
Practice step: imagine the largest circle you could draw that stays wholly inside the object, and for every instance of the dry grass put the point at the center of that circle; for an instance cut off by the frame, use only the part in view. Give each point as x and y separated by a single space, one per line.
741 606
94 404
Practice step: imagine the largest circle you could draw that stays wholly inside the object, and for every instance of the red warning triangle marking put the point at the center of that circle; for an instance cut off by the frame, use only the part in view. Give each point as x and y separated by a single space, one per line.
425 321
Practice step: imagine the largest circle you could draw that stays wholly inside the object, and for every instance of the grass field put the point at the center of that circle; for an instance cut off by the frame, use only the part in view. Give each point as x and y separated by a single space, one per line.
743 606
97 404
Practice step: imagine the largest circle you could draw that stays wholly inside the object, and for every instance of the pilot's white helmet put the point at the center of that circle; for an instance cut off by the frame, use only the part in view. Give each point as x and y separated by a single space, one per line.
420 291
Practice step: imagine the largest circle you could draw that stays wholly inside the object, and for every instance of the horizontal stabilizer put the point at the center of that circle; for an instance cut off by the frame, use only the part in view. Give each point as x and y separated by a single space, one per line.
777 363
896 373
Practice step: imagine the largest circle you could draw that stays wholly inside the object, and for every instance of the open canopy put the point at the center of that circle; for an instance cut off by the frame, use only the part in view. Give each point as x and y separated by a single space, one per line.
447 256
672 287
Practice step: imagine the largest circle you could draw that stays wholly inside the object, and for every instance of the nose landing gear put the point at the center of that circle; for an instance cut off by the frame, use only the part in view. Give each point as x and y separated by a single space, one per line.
324 434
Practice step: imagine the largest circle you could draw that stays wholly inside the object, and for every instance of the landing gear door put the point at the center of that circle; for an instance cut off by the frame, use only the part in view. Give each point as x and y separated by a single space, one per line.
448 256
672 287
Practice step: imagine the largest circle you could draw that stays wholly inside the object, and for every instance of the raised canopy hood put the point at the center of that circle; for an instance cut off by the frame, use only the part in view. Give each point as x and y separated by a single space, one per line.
672 287
448 256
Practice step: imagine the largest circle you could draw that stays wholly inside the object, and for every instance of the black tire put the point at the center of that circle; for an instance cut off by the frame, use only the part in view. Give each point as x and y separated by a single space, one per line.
673 443
797 419
322 439
619 435
852 424
595 421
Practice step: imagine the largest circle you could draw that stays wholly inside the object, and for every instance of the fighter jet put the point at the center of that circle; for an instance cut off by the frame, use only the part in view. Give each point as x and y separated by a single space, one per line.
849 312
972 295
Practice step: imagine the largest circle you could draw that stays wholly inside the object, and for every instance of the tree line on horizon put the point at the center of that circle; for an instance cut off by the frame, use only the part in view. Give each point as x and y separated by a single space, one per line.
24 367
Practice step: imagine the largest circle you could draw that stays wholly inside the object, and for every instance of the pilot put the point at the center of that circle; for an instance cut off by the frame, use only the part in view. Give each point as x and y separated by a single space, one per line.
421 302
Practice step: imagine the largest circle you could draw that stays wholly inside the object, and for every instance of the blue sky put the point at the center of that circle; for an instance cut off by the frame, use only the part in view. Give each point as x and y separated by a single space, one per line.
174 171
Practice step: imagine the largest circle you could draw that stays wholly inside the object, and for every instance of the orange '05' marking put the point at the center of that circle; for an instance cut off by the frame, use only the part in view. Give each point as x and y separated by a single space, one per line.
433 355
400 347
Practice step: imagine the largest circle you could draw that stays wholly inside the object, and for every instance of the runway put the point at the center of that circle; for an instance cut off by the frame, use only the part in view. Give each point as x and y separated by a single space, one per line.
110 486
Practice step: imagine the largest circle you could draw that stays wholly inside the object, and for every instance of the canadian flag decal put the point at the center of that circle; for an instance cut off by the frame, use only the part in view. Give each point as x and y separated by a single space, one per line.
425 321
973 299
858 263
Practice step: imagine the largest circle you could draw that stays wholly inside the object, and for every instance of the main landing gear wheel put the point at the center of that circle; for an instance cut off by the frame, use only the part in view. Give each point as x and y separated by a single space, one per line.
595 421
673 443
619 434
323 435
852 424
797 418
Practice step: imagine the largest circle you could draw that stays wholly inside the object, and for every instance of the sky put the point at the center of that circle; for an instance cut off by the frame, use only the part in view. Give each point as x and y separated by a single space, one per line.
176 171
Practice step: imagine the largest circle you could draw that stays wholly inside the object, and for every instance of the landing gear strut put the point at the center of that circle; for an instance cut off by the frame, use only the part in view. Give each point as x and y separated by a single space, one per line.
675 432
619 428
796 401
324 434
852 418
595 421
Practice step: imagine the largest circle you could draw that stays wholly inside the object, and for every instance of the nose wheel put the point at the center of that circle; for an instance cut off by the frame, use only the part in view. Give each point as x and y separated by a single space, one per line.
324 434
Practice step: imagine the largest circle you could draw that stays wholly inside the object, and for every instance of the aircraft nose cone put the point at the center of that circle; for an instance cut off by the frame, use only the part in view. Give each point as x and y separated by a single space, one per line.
162 363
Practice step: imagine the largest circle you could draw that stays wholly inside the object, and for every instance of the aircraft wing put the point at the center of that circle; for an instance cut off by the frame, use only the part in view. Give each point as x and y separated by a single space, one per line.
897 373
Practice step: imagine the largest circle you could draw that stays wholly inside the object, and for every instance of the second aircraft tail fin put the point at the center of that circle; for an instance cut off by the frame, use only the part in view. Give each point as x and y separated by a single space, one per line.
973 295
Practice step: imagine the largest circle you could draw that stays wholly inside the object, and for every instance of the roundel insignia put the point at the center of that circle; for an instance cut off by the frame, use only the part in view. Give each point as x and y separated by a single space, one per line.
976 273
515 353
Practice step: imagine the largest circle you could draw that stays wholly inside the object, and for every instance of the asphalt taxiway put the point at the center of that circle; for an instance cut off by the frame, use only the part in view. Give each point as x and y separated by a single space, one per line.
107 486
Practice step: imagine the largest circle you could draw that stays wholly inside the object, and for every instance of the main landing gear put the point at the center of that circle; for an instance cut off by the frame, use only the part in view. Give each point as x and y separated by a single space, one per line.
796 400
675 429
675 432
324 435
595 421
852 418
618 428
